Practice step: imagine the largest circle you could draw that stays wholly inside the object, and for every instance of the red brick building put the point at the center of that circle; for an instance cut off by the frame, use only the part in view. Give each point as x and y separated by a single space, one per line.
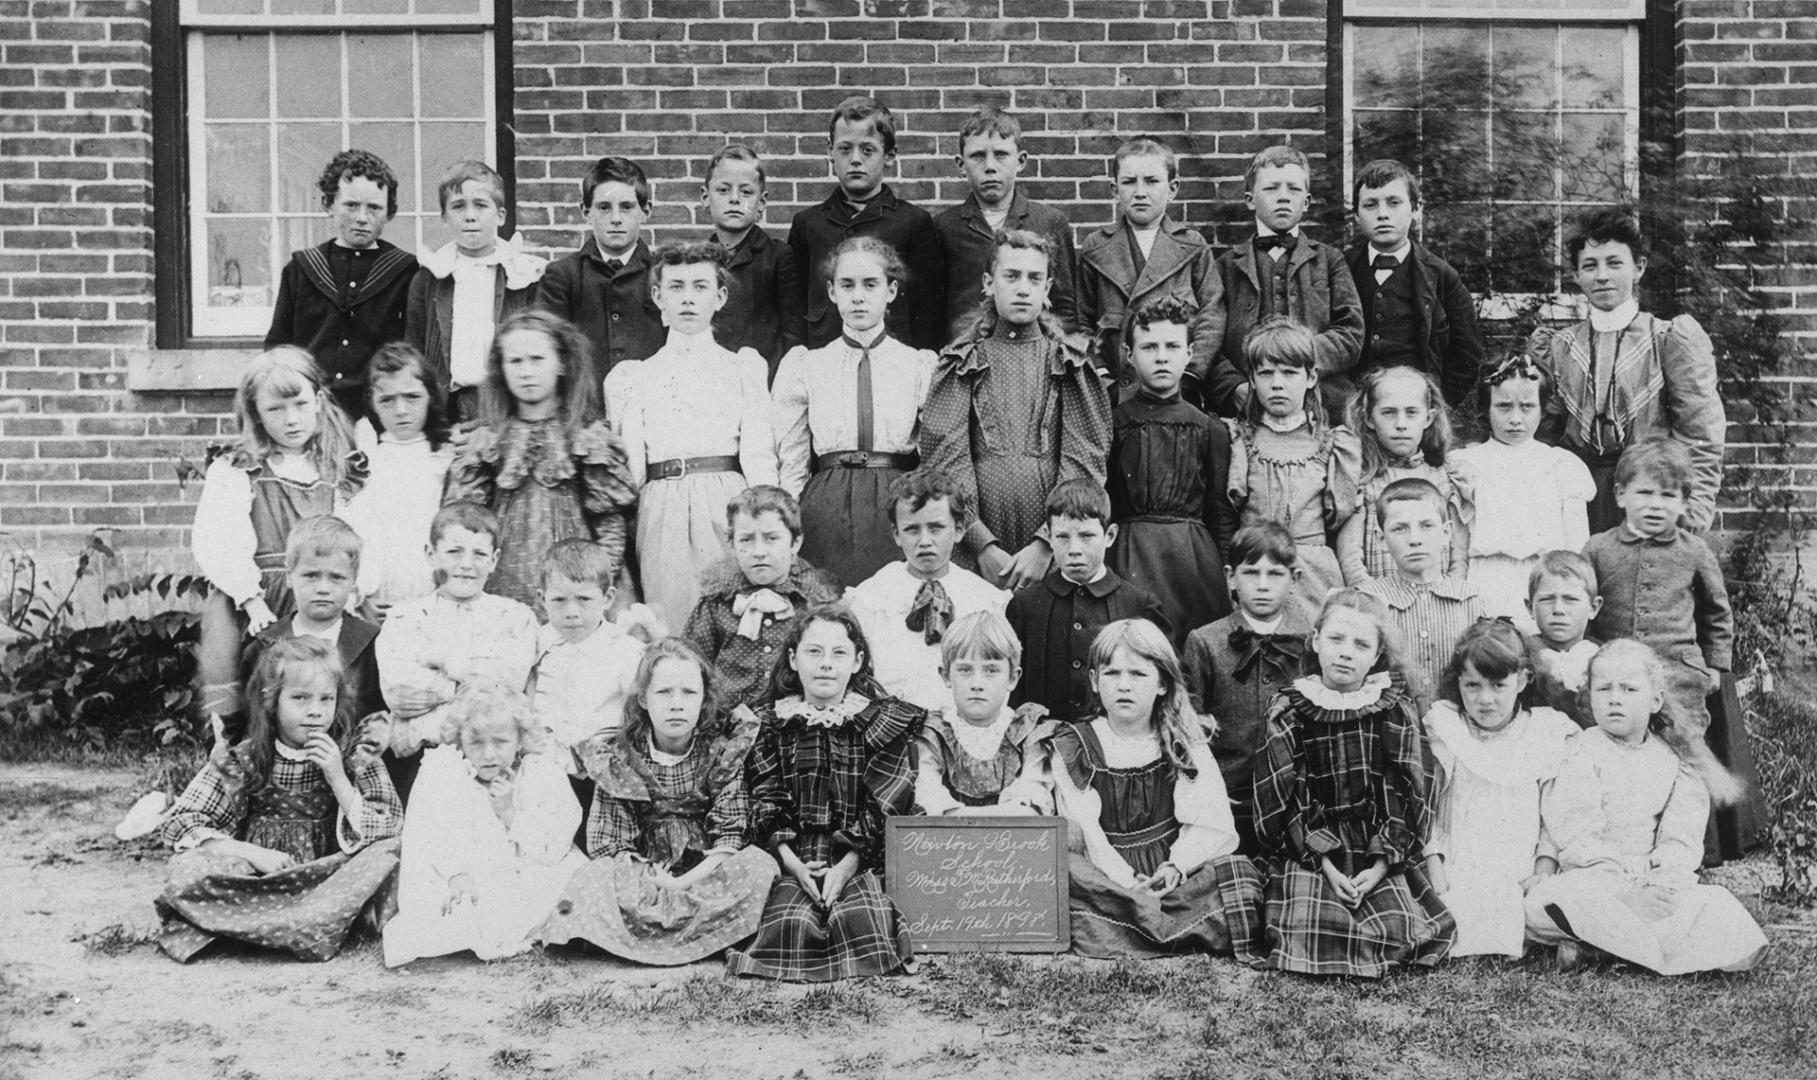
157 158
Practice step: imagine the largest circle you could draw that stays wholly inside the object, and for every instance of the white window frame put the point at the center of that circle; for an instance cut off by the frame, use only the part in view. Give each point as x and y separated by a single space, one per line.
254 320
1625 14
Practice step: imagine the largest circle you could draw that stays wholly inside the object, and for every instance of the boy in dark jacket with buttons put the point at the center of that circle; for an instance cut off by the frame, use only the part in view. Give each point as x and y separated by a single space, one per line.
604 288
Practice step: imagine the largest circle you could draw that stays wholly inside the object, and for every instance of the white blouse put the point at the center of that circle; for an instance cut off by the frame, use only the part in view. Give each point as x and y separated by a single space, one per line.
1530 499
816 403
693 398
392 515
906 665
222 540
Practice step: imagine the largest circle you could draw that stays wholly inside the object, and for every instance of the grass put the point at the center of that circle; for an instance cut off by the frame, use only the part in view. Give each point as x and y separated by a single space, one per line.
703 999
118 939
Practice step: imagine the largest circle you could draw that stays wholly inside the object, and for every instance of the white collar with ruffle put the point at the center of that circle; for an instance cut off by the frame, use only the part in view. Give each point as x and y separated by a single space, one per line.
1313 689
522 269
1608 322
289 752
827 716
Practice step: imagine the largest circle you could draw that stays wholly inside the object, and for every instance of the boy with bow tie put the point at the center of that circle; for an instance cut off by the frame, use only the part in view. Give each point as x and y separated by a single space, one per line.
1236 665
906 607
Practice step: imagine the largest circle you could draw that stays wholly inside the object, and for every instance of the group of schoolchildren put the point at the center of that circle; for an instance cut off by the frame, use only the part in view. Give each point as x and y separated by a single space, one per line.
1331 698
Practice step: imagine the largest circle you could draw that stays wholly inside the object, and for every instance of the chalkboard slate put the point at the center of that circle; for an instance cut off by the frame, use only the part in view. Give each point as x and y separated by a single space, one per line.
992 884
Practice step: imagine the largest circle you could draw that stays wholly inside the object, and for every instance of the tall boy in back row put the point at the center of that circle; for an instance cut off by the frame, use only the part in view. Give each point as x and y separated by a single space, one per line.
861 145
1416 311
1145 256
1279 271
763 299
990 159
604 288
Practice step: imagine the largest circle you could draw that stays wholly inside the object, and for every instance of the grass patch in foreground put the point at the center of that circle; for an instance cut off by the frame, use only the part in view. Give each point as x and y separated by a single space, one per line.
707 999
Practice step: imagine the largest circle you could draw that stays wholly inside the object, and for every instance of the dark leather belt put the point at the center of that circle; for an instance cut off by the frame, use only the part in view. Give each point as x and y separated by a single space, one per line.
666 470
866 459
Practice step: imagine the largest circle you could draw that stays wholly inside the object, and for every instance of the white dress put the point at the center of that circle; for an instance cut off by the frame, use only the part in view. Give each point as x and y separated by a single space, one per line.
691 399
1530 499
517 874
1627 823
392 514
1485 818
904 662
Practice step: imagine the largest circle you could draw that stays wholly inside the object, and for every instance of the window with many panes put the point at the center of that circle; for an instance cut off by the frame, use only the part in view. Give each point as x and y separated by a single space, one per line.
1517 115
272 89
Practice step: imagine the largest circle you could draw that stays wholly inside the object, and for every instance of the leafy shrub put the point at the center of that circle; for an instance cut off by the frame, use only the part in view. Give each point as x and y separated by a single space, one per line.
124 681
1786 744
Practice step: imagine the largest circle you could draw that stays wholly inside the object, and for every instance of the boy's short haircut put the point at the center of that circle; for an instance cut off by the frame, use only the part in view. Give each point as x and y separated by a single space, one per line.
689 253
580 561
1379 174
984 634
465 514
1268 540
1079 500
1666 462
1563 563
1410 489
923 486
1608 225
736 152
615 170
766 499
856 110
461 172
323 534
357 165
1168 309
990 121
893 266
1145 147
1275 157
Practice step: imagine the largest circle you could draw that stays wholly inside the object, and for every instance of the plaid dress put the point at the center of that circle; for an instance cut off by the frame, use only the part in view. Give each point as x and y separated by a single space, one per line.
654 819
822 781
343 866
1345 780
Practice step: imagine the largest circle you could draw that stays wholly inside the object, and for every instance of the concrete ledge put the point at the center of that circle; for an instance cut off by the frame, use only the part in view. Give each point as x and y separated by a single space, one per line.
185 371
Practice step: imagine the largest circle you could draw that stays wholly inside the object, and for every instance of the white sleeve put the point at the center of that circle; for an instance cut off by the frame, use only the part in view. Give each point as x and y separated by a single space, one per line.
756 446
789 418
931 795
548 815
223 539
626 419
1202 807
1082 810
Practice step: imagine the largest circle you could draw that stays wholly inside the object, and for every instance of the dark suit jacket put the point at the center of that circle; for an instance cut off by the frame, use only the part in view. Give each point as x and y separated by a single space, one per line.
617 315
918 316
763 300
967 237
1056 621
309 315
430 319
1180 265
1321 296
1451 346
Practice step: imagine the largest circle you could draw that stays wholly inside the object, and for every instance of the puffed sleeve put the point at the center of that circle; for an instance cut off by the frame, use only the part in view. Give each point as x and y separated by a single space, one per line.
1543 348
471 475
1443 726
381 812
1286 821
1688 362
626 418
1343 477
1678 842
608 496
789 419
212 807
542 831
729 815
1085 422
1576 488
946 442
1407 816
1236 485
931 796
756 446
773 820
1202 807
1461 472
223 540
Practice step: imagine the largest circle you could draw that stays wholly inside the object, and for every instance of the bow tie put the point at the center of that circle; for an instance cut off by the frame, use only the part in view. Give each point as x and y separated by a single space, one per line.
931 613
1277 651
1274 241
751 607
1384 262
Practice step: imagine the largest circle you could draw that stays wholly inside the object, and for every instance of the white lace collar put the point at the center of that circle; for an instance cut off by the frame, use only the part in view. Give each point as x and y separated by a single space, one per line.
828 716
1313 689
289 752
1283 427
1608 322
983 742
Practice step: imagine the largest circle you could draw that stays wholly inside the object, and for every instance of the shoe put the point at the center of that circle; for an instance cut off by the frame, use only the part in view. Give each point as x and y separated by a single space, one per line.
145 816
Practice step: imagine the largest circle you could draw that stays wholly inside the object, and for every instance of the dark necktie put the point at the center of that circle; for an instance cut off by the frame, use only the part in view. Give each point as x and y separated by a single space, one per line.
1278 652
613 266
931 613
1384 267
867 408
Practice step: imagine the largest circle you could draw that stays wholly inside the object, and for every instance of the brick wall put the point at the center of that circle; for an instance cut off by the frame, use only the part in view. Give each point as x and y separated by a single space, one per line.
76 451
667 82
1747 87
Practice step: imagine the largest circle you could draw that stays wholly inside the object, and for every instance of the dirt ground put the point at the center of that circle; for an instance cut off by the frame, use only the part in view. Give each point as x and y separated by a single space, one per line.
83 994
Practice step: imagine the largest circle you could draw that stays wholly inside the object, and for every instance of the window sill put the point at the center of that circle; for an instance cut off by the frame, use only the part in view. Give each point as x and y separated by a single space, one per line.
186 371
